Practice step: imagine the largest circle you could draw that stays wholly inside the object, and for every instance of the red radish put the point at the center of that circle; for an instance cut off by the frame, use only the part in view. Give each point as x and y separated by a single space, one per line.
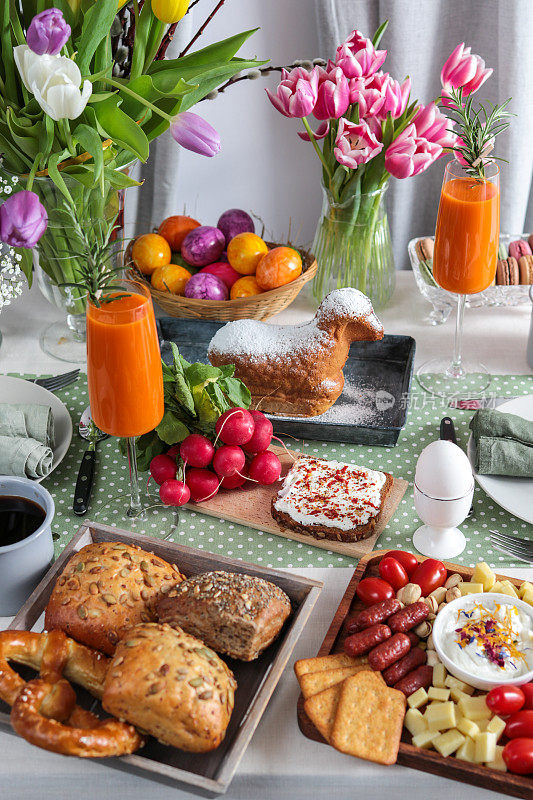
196 450
262 435
162 468
235 426
228 460
203 484
174 451
174 493
235 481
265 468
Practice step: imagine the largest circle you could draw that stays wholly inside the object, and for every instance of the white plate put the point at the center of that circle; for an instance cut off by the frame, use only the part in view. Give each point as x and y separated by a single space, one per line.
16 390
513 494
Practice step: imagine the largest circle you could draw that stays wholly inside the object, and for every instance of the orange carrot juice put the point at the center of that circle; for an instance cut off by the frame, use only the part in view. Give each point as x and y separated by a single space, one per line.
124 365
467 235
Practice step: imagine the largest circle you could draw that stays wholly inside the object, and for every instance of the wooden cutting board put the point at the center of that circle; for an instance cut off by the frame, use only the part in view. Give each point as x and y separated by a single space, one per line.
250 506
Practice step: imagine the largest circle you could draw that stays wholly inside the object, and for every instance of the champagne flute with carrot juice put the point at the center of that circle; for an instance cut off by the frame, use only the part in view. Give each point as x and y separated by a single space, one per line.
124 369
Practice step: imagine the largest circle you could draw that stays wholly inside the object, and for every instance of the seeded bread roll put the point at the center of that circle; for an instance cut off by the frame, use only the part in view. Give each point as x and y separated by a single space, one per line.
235 614
106 589
169 684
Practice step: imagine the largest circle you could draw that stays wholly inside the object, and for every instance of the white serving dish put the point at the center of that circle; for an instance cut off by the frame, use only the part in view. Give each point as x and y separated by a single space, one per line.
444 618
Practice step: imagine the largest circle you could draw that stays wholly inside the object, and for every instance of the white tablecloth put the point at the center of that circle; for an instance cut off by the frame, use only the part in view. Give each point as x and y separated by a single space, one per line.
280 762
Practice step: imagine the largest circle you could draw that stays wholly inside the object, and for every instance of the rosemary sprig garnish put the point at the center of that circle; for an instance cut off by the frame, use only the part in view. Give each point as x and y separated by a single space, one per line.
477 129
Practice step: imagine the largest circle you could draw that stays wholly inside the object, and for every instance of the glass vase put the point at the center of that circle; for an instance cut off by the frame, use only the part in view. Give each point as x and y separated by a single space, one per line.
57 257
352 246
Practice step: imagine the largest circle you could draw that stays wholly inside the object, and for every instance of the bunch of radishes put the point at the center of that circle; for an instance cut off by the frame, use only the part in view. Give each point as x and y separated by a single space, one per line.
242 457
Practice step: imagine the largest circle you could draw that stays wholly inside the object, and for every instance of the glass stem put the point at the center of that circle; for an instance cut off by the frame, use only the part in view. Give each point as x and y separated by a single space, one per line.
135 505
457 366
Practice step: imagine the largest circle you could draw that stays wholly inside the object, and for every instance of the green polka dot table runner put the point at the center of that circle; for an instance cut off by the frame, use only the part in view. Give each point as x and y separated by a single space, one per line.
192 528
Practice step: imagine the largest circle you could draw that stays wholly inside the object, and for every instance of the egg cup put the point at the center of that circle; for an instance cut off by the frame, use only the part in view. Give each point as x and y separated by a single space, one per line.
440 537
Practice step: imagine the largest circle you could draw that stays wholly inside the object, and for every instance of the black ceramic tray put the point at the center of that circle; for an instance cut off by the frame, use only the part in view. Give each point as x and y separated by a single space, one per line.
373 406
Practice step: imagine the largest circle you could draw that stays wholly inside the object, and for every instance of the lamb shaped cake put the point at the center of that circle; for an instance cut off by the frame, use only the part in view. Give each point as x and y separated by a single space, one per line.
296 370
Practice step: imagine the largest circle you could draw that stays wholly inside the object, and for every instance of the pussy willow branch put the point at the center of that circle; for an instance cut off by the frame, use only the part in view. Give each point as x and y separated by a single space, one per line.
169 35
202 27
253 74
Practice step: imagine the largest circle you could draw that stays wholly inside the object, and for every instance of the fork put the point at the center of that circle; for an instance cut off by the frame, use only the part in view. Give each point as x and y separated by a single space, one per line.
512 545
57 382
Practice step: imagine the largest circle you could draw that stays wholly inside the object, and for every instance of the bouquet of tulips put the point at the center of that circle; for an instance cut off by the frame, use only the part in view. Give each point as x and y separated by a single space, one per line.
368 130
83 92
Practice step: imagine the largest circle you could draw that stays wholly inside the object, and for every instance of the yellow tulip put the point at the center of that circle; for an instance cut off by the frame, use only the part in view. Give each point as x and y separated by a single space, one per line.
170 11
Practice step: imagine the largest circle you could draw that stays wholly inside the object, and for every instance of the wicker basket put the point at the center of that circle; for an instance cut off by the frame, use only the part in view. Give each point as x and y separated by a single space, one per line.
261 306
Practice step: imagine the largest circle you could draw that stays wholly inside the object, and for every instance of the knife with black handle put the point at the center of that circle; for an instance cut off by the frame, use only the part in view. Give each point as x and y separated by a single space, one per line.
447 432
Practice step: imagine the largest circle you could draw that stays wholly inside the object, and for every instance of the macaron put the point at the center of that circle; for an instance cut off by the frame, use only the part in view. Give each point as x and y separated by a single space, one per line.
530 240
507 272
525 265
519 248
424 249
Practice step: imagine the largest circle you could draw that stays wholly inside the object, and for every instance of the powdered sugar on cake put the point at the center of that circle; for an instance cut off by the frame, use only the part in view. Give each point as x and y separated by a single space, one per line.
330 493
259 340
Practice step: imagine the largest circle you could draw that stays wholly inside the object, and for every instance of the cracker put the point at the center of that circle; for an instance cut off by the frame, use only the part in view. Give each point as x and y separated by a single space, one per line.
305 665
315 682
369 719
322 707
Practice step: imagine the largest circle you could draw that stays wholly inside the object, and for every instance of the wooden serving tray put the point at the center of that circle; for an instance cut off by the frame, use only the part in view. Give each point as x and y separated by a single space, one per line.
250 505
208 774
409 755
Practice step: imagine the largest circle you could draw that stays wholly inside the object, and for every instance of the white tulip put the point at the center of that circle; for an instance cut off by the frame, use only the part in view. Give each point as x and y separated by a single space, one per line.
54 81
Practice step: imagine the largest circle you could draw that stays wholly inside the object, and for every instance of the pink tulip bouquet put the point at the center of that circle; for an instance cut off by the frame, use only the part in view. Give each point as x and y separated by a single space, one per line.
367 130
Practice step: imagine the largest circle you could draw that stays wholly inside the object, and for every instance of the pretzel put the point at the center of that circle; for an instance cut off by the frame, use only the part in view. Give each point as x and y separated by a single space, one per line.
44 710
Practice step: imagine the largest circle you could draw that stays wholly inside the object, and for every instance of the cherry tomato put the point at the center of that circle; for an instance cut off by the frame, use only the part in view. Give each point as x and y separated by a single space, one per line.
429 575
505 699
374 590
528 694
520 724
392 571
518 756
408 560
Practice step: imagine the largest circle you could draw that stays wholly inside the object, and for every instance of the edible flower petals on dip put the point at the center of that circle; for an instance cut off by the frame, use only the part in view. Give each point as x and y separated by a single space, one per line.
486 640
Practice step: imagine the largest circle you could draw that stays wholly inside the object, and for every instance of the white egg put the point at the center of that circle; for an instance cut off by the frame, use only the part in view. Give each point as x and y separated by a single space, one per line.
443 471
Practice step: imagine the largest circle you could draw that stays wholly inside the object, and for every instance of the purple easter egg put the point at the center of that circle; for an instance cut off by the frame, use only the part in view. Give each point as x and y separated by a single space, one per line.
204 286
235 221
203 246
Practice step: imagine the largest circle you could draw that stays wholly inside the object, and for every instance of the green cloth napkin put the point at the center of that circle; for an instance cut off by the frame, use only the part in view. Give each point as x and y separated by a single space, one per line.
504 443
26 440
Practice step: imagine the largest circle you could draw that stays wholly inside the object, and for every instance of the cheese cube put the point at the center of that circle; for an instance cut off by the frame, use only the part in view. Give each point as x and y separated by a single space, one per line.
415 722
485 747
524 587
475 708
425 739
447 743
440 716
457 694
467 751
418 698
483 724
470 588
437 693
439 594
497 587
497 726
468 727
455 683
483 574
497 762
509 588
527 597
439 675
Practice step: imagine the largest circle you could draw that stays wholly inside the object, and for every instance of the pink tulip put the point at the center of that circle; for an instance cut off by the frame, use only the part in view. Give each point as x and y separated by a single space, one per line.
320 133
409 154
433 125
357 57
396 97
370 100
355 144
297 92
333 95
463 70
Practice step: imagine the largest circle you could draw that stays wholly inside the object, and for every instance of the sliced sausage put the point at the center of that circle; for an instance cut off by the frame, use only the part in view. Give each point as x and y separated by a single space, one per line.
373 615
363 641
408 617
413 638
417 679
388 652
414 658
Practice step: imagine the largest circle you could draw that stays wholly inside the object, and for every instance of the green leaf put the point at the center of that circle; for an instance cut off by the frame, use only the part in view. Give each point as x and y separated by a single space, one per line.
213 54
376 39
198 374
96 26
26 264
121 128
90 140
56 177
171 429
147 446
238 394
23 137
215 77
181 390
119 179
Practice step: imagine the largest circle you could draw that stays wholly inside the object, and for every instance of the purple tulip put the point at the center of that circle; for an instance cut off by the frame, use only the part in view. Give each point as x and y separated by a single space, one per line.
194 133
23 219
48 32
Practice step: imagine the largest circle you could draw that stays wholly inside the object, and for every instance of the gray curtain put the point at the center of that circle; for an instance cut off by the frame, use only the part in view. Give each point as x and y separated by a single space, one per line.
420 36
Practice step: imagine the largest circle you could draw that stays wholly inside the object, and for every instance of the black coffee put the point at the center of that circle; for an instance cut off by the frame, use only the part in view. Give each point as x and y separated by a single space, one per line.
19 518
